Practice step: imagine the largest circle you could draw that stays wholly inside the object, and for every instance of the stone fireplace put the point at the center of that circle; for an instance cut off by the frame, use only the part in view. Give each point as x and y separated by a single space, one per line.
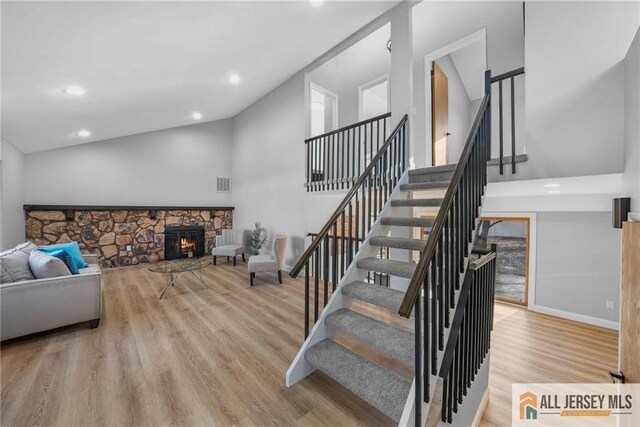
121 235
183 242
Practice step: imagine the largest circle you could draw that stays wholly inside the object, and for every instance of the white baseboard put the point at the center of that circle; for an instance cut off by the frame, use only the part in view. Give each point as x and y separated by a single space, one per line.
609 324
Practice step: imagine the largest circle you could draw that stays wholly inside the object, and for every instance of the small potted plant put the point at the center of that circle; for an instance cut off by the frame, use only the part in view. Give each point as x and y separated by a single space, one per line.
257 239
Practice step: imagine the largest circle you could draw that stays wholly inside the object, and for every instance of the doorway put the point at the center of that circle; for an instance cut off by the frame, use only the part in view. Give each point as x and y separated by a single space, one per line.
511 235
324 110
439 115
373 98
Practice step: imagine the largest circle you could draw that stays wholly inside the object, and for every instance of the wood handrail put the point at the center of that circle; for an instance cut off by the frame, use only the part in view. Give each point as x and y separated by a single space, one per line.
475 265
415 284
347 199
355 125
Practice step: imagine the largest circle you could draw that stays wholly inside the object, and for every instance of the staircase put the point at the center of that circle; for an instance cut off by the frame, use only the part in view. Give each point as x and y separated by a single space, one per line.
346 253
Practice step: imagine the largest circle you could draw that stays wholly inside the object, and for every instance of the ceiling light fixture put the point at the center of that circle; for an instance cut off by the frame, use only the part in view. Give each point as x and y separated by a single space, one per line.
74 90
552 185
234 79
316 3
84 133
197 115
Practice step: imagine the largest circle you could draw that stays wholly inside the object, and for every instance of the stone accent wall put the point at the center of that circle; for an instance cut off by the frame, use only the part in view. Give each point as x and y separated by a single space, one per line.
107 233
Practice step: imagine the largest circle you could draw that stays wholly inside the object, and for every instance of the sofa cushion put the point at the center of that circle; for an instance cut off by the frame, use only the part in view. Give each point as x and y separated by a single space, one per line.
44 265
14 266
64 256
72 248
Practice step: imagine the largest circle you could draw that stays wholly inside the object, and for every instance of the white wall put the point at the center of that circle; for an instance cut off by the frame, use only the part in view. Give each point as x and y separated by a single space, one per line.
459 109
575 86
356 66
578 266
268 175
12 193
631 176
438 24
176 166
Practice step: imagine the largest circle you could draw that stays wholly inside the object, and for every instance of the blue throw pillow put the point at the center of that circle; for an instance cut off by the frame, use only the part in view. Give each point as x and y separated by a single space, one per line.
67 259
72 249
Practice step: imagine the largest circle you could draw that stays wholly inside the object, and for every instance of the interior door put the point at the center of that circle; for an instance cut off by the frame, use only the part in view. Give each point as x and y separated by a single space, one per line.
439 115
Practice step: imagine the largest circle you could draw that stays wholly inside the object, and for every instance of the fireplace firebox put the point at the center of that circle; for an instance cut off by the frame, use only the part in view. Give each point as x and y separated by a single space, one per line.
183 242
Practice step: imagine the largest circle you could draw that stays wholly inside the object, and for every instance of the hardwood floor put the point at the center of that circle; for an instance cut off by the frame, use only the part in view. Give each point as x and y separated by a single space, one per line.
528 347
219 356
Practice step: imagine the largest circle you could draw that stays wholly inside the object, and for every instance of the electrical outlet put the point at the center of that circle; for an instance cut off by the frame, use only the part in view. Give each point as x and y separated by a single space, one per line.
128 247
610 304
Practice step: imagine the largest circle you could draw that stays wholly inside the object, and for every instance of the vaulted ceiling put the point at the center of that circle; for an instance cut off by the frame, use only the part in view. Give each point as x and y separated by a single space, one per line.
150 65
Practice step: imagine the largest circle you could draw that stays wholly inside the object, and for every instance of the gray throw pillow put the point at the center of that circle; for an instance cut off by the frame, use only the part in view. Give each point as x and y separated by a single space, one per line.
14 266
44 265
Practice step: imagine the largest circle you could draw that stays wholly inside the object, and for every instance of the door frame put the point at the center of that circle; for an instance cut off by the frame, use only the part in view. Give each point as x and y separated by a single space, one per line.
532 218
374 82
481 36
334 114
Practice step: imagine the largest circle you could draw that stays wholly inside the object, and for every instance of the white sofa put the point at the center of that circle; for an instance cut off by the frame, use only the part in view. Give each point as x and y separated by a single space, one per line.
30 306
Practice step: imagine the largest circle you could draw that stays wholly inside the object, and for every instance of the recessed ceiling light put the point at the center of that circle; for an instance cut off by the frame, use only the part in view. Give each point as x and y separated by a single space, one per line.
553 185
197 115
234 79
554 192
84 133
74 90
316 3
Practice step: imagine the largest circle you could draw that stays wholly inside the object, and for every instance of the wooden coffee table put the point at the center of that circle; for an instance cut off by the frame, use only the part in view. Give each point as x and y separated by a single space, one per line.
177 267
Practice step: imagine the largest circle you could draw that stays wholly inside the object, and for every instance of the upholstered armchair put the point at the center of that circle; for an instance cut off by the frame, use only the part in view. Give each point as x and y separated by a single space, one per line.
230 244
259 263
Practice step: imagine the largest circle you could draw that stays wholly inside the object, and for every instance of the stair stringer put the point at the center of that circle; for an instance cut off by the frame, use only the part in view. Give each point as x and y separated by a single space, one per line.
408 415
300 368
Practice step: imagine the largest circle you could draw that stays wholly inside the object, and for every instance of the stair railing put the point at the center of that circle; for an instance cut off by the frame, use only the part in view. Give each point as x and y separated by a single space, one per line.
336 159
443 259
470 336
327 258
499 79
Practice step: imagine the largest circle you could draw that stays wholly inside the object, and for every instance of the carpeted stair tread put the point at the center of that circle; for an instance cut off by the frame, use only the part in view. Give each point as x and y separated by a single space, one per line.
417 202
433 169
388 266
397 343
374 294
398 243
407 221
417 186
377 386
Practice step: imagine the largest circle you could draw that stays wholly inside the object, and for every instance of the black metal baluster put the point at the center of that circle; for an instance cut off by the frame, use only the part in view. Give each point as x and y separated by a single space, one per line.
425 329
342 243
326 263
434 319
441 292
418 375
306 300
316 280
500 128
513 127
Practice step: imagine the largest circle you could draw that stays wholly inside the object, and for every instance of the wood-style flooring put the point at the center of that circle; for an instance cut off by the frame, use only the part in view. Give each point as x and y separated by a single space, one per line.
219 356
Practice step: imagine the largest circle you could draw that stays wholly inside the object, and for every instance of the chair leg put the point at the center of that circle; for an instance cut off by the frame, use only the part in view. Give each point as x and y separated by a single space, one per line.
227 259
243 260
215 258
93 323
251 277
280 276
234 260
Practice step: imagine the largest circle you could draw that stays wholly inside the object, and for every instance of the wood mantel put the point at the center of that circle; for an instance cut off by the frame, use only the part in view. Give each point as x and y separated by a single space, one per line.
70 209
